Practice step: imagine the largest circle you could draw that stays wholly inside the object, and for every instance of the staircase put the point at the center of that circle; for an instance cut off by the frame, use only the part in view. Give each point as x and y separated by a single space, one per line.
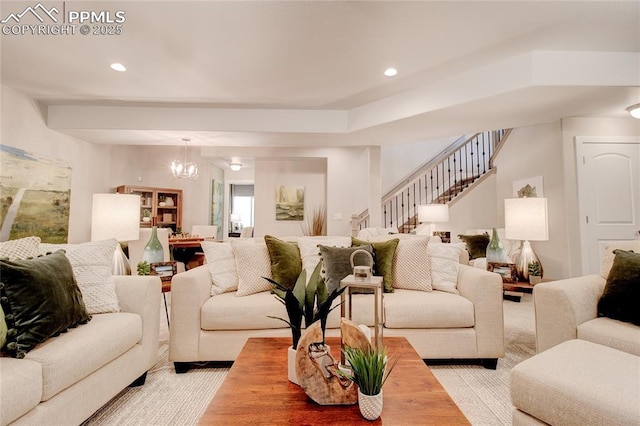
439 181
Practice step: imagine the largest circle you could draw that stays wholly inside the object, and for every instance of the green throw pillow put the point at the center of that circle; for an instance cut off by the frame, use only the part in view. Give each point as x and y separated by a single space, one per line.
476 244
620 299
336 263
383 253
40 299
286 263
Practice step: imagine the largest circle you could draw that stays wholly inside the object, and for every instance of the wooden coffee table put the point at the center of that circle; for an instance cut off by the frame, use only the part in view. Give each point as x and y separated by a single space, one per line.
256 391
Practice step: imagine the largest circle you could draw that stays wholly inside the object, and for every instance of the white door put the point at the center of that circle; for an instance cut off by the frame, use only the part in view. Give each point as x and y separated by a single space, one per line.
609 189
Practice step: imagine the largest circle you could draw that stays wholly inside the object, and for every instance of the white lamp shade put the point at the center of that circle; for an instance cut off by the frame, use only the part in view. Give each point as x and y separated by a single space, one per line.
115 216
234 217
433 213
526 219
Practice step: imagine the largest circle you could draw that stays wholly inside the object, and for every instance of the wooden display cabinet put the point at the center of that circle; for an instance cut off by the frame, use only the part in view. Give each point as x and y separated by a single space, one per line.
163 205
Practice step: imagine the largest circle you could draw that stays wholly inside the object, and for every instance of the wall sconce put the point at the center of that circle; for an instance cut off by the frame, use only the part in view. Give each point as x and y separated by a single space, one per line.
116 216
430 213
526 219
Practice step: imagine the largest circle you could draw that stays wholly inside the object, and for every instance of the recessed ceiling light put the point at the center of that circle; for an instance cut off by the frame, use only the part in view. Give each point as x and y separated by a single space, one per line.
390 72
634 110
118 67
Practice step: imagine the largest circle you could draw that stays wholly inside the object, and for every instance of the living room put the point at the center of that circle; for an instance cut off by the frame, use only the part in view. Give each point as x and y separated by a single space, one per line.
552 82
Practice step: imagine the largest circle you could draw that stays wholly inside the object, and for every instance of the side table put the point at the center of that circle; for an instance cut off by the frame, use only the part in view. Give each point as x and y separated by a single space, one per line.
374 283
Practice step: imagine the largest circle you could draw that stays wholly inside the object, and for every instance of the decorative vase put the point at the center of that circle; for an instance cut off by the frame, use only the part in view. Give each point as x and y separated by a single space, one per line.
370 405
293 377
153 251
495 250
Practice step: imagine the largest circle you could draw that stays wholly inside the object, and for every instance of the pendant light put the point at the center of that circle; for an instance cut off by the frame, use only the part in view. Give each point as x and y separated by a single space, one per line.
184 169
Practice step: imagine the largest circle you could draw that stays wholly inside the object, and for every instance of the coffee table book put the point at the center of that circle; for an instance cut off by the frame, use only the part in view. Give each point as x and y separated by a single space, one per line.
256 391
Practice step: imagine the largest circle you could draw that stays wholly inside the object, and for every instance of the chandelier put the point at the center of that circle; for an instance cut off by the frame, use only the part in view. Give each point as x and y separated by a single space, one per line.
182 169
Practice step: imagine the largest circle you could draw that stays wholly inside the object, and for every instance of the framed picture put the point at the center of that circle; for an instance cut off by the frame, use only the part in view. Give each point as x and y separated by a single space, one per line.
165 270
289 202
506 270
445 236
530 187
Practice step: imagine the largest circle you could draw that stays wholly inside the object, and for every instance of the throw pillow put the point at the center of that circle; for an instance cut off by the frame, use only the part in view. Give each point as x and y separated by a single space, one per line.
383 253
41 299
286 263
336 263
92 264
222 266
3 328
22 248
252 263
411 269
620 299
476 245
445 261
310 253
609 255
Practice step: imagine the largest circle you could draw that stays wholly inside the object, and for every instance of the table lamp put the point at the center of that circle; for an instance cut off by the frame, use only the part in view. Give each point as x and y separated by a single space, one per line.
430 213
234 218
116 216
526 219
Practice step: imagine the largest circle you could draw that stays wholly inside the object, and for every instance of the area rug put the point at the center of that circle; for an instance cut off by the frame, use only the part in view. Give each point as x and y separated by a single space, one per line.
181 399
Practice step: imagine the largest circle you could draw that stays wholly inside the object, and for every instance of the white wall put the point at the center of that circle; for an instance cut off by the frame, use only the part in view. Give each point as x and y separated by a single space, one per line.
23 126
310 173
475 209
399 161
537 151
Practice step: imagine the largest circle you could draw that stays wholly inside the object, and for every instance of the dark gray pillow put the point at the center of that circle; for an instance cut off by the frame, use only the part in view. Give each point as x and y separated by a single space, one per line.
620 299
336 263
40 299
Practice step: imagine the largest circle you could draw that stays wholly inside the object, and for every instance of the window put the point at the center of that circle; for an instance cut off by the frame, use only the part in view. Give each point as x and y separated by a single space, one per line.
242 201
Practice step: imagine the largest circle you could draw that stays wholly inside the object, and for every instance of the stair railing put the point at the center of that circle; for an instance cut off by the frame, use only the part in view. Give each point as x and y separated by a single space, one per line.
438 181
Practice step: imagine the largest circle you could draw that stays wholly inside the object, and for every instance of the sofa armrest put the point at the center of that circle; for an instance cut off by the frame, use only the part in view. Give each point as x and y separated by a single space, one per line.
484 290
142 295
561 306
189 291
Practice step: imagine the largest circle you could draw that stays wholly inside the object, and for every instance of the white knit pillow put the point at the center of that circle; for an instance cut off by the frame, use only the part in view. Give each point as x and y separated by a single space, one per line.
92 265
310 253
222 266
444 261
252 263
411 268
22 248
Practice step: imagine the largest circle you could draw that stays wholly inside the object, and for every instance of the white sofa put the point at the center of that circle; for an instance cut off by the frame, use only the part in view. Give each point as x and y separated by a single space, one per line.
587 370
439 325
67 378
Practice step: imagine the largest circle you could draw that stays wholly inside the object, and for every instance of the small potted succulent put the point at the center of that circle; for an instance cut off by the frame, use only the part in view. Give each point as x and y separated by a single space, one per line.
369 370
144 268
535 272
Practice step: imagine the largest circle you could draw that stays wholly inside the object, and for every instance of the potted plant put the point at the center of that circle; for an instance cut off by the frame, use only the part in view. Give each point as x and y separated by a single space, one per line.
308 301
144 268
146 216
368 370
535 272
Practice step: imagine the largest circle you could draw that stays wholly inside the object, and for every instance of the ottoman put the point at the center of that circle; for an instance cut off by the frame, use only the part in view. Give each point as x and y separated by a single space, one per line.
577 383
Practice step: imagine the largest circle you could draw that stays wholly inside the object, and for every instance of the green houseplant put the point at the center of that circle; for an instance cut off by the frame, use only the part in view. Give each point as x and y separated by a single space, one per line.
144 268
369 369
535 272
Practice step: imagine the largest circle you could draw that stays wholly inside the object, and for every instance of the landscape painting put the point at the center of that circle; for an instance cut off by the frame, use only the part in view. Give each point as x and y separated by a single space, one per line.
217 199
35 193
290 202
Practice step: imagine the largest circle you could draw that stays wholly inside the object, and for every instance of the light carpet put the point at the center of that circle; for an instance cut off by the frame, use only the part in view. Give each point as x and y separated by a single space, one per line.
180 399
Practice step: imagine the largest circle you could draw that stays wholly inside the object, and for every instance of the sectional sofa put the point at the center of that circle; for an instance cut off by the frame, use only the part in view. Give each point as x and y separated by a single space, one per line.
445 309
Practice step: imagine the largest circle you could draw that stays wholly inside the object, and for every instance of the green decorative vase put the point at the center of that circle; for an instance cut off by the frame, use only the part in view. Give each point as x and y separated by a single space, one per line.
495 250
153 251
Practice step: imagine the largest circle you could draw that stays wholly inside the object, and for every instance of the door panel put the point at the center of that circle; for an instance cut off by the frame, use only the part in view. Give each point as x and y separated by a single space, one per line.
609 186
